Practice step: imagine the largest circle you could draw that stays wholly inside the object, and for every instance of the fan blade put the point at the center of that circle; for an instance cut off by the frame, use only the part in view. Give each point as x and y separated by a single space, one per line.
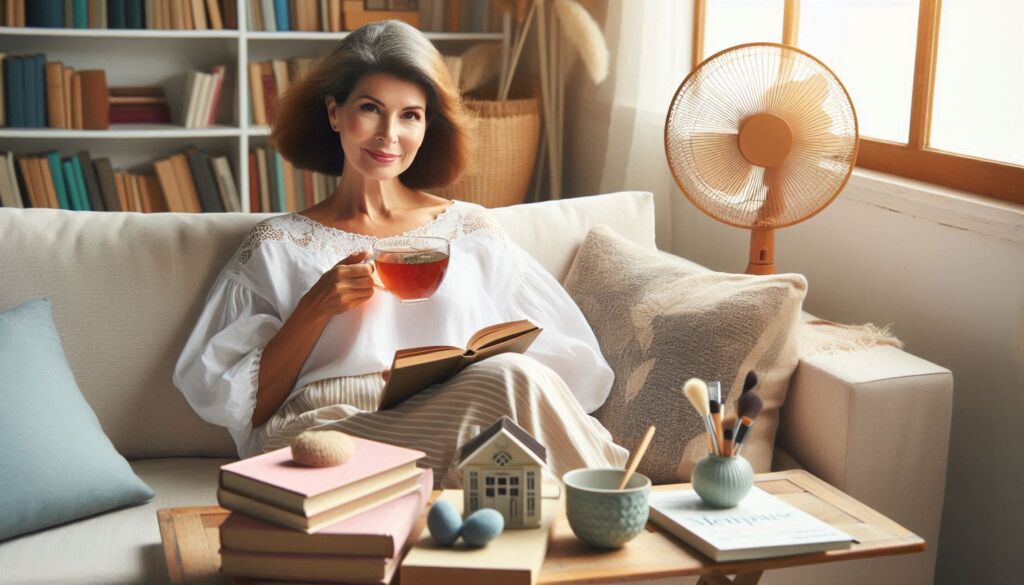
718 161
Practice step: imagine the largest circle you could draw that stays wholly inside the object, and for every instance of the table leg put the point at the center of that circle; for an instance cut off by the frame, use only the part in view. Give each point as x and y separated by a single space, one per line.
740 579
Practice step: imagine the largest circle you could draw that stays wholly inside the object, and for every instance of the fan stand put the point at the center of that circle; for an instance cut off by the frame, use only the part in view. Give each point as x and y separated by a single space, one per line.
766 140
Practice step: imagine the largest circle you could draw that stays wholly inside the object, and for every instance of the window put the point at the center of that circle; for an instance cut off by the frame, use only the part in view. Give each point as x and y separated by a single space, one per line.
937 85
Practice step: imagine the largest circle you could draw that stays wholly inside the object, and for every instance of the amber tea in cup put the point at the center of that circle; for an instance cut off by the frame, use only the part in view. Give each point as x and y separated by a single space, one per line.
411 268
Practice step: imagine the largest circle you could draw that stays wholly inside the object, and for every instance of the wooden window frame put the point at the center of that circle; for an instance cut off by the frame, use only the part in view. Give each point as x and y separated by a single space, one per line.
915 159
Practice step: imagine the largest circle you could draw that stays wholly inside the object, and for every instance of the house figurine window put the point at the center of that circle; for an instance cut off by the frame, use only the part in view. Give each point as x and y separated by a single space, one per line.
502 458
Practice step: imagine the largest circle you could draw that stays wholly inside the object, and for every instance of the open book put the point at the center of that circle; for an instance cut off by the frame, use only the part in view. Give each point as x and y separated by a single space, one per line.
420 367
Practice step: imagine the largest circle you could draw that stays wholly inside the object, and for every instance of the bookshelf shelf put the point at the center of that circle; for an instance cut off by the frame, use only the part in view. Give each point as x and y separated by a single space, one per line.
108 33
122 131
140 57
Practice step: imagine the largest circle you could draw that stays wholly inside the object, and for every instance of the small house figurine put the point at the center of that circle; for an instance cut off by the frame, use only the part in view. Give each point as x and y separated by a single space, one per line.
501 469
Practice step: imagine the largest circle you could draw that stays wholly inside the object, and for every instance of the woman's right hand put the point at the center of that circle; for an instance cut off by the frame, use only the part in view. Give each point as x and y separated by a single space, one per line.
346 285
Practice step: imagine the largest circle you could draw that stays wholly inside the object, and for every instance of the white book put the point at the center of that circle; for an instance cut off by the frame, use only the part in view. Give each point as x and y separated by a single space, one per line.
269 17
761 526
188 113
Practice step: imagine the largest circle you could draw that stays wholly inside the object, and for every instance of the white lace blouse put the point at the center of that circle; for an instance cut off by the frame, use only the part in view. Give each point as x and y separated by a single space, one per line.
489 280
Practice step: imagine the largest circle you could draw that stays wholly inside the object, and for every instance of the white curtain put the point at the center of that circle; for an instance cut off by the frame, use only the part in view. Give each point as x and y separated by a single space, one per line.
650 44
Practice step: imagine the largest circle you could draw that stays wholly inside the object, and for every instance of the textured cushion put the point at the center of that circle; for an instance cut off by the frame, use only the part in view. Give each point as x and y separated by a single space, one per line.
56 464
660 321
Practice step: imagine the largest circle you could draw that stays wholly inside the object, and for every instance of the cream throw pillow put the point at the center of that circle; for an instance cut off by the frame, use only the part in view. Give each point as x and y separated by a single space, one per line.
661 321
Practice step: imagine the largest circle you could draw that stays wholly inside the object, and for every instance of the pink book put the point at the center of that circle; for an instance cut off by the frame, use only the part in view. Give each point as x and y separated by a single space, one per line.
378 532
273 478
218 76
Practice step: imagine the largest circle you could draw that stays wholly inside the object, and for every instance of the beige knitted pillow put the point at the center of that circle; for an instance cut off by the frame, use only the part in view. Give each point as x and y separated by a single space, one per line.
661 320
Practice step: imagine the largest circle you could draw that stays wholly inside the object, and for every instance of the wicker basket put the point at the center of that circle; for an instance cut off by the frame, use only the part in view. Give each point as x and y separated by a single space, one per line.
507 137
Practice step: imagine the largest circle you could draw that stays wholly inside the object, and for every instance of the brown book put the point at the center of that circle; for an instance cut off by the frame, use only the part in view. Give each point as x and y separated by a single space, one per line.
337 23
43 166
216 22
136 91
289 186
25 169
67 96
137 100
153 194
417 368
186 12
256 100
95 13
169 185
198 15
123 200
95 100
135 191
307 567
177 18
76 101
54 71
269 90
186 183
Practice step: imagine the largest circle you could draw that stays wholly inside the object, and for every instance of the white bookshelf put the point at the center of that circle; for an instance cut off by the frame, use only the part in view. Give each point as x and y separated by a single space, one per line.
163 57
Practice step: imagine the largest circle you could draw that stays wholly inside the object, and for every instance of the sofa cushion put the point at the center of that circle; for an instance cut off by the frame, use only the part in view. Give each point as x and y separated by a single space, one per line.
661 321
56 464
119 548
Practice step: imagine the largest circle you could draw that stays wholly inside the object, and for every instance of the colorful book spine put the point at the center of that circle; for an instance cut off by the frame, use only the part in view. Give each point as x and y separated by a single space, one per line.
281 14
64 198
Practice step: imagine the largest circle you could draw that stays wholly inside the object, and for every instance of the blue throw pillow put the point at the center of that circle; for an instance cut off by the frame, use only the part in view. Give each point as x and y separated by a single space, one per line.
56 464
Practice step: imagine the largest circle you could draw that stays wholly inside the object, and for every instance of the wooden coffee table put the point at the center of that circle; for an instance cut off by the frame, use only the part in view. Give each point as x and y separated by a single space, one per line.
191 542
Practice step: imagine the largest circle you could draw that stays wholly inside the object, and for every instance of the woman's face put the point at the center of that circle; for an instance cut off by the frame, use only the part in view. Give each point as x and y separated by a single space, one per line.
382 125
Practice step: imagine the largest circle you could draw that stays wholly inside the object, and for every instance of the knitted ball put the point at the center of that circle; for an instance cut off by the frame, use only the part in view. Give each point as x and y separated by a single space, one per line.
444 523
322 448
482 527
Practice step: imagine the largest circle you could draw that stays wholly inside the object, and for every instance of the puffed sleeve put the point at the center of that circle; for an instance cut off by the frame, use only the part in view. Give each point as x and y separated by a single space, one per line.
567 344
218 370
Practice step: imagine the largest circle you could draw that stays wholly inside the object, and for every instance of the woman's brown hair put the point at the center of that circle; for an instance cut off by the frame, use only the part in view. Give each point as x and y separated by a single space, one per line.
303 134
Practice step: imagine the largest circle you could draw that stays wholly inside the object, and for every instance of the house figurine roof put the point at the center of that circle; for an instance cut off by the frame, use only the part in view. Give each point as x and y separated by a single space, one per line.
517 432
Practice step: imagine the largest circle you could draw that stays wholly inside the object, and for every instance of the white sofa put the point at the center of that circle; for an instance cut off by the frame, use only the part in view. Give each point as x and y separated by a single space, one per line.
127 287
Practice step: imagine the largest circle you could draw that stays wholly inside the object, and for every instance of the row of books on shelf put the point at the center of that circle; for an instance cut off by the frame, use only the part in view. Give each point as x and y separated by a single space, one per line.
275 185
340 15
190 181
342 524
35 93
121 14
267 81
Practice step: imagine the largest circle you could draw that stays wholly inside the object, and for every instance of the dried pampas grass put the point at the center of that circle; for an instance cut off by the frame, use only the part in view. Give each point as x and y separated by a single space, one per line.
582 33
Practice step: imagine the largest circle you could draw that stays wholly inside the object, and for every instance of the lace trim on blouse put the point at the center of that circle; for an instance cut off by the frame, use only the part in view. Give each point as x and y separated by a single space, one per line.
310 234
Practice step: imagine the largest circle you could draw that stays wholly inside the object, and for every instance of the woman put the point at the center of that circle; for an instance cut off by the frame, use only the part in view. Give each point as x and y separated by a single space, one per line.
293 335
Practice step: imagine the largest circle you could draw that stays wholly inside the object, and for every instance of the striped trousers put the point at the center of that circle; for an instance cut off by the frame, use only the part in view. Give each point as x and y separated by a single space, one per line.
440 419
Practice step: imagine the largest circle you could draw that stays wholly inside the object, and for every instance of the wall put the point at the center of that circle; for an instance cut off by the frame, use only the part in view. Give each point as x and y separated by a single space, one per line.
945 269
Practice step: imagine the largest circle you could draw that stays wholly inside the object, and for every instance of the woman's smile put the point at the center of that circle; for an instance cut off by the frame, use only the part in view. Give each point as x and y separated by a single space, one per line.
381 157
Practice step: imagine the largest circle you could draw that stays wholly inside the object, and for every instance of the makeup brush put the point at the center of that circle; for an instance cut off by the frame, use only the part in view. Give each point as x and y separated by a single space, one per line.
715 394
749 404
741 433
696 391
715 406
727 443
749 382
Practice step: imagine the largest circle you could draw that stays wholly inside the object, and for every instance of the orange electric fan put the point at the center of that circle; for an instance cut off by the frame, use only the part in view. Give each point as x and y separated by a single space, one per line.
761 136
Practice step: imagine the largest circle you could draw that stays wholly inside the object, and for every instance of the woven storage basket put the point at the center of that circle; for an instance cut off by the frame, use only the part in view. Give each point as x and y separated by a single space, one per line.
507 138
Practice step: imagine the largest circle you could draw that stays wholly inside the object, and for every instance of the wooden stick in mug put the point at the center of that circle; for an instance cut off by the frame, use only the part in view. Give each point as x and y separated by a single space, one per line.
637 456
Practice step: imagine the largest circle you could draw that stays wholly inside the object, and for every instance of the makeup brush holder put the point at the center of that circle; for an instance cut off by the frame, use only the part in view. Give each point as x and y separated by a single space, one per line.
722 482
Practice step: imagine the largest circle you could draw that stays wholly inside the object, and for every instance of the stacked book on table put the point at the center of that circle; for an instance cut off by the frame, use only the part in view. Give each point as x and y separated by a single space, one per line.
344 524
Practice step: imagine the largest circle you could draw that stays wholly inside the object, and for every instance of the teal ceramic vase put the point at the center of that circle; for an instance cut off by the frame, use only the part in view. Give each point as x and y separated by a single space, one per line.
599 513
722 482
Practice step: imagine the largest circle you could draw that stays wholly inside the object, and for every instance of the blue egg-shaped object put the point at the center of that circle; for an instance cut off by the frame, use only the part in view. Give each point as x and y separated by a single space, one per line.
444 523
482 527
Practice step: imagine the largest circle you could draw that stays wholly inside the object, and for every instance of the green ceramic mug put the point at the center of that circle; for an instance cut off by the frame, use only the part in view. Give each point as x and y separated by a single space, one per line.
599 513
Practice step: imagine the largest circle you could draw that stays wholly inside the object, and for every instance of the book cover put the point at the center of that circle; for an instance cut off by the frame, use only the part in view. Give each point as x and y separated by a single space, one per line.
95 100
169 185
254 184
274 478
226 183
65 196
206 184
761 526
92 185
514 558
108 187
78 178
54 73
378 532
417 368
310 523
186 183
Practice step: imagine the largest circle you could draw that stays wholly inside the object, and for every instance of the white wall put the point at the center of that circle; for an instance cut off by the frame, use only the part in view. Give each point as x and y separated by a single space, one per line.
945 269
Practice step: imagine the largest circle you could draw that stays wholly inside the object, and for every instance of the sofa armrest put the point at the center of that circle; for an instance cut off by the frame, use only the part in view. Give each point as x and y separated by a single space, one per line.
875 424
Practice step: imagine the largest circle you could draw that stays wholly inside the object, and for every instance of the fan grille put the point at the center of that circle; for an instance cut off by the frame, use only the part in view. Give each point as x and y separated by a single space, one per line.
704 120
